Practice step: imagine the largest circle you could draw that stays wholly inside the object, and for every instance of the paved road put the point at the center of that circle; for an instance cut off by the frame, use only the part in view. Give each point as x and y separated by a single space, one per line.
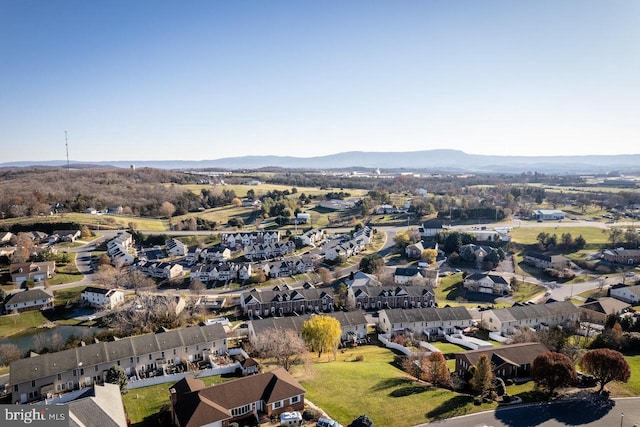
592 412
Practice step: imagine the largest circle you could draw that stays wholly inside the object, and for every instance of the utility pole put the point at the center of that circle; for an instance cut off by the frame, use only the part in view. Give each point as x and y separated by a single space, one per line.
66 144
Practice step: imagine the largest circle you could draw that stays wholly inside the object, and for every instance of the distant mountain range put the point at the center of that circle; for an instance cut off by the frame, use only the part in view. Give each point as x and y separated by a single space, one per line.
428 160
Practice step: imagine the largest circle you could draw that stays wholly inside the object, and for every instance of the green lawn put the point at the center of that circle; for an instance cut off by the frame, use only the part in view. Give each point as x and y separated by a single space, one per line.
63 278
447 347
14 323
346 389
526 291
62 296
143 405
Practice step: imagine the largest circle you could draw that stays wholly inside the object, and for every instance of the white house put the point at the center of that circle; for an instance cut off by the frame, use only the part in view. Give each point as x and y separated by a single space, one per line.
487 283
176 247
630 294
102 298
511 319
32 299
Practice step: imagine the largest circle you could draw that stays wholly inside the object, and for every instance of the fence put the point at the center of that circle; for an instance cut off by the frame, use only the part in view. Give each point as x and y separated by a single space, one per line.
497 337
227 369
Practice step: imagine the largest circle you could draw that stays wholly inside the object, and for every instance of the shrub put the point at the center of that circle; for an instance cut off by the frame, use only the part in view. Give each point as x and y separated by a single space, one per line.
359 358
308 415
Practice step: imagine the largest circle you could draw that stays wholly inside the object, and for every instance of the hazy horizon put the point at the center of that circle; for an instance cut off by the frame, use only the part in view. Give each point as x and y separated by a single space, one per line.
212 79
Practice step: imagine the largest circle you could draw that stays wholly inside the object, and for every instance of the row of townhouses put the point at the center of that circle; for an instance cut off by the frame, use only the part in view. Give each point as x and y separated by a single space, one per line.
159 270
510 320
242 239
36 377
268 250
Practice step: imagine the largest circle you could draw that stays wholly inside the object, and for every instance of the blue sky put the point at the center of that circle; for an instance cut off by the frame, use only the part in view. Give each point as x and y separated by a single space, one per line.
156 80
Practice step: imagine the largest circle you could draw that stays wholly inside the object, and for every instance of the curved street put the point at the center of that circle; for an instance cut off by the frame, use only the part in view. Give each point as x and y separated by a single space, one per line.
591 411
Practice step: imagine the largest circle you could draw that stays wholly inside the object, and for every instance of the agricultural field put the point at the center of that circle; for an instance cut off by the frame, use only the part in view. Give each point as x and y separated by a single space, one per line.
92 221
262 189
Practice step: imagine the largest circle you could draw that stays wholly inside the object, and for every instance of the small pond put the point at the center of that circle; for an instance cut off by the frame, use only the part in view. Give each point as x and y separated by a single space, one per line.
35 339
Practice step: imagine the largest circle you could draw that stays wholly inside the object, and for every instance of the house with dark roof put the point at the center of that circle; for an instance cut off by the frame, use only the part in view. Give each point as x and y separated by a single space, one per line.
36 377
509 320
404 275
507 361
432 321
176 248
539 260
32 299
384 297
253 398
487 283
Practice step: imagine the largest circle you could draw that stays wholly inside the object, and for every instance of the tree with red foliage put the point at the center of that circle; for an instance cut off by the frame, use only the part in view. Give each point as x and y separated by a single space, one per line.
551 370
605 365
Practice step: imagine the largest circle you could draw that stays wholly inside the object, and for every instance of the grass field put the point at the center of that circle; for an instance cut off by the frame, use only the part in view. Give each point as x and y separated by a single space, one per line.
262 189
143 405
14 323
93 221
63 296
346 389
526 291
527 235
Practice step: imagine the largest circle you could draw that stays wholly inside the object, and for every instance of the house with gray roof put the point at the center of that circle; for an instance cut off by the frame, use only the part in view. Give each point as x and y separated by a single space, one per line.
432 321
36 377
622 256
597 311
508 321
507 361
32 299
404 275
630 294
100 406
352 323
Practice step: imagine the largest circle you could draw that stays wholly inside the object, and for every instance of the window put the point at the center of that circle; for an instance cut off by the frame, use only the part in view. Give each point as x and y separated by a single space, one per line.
162 355
277 405
33 383
149 357
75 372
15 388
82 371
59 377
118 362
96 368
295 399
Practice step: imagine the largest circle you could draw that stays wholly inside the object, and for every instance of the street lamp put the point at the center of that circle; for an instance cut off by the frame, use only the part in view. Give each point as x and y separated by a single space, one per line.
621 418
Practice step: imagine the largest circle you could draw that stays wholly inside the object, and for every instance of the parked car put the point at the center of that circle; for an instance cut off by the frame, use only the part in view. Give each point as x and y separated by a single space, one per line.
327 422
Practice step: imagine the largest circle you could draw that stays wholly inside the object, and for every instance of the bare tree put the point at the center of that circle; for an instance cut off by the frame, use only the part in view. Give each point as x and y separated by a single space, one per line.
197 286
9 353
148 313
285 346
167 209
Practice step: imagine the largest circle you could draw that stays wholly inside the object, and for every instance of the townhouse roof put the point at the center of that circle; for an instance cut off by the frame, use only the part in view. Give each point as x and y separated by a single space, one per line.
389 291
44 365
299 294
536 311
346 319
428 314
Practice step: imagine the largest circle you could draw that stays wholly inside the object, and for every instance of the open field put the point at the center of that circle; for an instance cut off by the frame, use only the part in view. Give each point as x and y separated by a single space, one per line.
527 235
93 221
262 189
346 388
63 296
